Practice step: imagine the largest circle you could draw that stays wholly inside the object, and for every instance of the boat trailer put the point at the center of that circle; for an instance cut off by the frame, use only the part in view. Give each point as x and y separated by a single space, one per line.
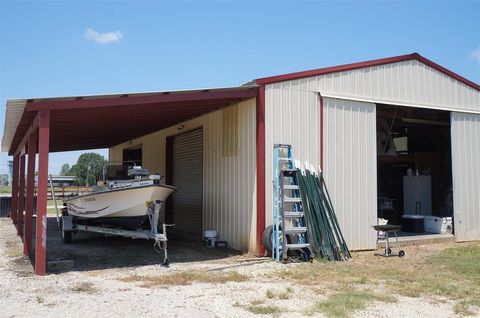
69 226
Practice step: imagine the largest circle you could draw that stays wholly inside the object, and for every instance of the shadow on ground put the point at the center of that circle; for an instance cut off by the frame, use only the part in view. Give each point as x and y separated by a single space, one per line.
90 251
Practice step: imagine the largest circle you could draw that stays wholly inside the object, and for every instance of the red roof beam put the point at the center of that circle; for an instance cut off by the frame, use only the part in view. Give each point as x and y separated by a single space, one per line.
33 127
139 100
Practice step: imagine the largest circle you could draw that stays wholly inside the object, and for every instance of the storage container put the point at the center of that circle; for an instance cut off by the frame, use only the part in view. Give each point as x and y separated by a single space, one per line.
412 223
435 224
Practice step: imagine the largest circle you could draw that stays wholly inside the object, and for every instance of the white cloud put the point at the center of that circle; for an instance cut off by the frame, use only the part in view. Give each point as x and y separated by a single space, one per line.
476 54
103 38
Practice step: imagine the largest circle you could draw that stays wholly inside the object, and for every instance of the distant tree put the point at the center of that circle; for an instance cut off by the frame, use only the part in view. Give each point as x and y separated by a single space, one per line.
88 169
64 171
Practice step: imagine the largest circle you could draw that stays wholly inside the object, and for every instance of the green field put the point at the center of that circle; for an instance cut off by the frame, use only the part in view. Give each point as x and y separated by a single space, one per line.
5 189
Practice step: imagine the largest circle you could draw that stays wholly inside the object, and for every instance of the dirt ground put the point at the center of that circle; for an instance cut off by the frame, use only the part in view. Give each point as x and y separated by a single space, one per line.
122 277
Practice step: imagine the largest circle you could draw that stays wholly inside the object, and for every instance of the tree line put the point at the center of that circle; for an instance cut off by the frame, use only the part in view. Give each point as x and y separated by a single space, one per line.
88 169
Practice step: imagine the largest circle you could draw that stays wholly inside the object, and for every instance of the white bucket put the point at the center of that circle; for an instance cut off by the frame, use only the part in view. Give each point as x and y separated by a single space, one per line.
210 237
210 234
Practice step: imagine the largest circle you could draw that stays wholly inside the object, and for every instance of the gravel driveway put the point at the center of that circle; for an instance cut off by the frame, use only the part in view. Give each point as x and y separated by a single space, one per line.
106 281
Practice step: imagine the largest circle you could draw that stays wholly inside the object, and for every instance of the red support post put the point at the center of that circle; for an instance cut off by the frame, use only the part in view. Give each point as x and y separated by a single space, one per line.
14 204
32 149
21 196
41 223
260 109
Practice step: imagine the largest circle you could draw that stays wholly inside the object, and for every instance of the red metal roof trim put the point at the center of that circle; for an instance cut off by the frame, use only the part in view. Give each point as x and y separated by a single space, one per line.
353 66
98 102
77 123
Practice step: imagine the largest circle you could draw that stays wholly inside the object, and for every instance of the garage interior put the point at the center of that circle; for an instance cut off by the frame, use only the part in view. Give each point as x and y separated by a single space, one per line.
414 169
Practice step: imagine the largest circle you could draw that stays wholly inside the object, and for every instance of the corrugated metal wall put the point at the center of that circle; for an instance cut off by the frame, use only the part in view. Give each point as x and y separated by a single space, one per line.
229 197
350 165
292 110
409 83
292 117
187 176
349 151
466 175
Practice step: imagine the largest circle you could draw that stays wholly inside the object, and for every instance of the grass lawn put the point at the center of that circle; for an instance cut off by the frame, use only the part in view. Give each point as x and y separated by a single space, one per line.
51 207
441 273
451 273
5 189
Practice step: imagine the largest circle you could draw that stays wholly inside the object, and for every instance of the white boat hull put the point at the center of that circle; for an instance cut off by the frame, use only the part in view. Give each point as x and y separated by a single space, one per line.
125 203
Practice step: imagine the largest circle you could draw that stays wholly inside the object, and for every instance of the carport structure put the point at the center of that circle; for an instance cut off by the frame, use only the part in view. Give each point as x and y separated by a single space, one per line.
88 122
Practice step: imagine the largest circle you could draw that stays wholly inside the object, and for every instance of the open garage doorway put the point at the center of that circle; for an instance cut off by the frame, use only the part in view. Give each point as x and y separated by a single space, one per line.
414 170
185 171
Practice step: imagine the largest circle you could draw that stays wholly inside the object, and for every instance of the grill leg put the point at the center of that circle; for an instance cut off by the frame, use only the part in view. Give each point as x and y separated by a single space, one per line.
387 245
396 237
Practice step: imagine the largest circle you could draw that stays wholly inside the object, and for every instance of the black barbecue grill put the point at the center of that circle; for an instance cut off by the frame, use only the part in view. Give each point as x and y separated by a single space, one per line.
382 235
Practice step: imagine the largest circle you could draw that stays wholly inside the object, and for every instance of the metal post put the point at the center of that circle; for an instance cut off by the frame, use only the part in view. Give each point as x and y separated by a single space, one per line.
276 201
32 149
21 196
14 206
54 197
260 163
41 223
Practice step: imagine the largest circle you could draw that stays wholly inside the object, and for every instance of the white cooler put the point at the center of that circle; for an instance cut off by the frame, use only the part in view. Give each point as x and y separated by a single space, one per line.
435 224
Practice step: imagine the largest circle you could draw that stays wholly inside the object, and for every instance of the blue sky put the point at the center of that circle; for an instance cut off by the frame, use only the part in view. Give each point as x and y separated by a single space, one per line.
80 48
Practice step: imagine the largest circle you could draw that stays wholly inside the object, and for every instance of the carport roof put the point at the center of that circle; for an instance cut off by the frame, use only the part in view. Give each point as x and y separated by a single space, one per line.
88 122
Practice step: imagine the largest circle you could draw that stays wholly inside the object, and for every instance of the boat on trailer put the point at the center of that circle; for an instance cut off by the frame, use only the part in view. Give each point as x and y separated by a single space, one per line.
124 207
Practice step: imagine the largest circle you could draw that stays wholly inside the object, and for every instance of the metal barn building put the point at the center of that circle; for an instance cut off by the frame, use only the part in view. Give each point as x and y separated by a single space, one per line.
216 145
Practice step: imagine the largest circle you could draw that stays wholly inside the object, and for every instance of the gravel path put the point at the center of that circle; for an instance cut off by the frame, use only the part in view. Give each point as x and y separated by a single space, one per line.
101 293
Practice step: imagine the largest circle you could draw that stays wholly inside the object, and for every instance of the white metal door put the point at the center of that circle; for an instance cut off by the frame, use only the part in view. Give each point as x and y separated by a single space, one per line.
466 175
187 176
350 167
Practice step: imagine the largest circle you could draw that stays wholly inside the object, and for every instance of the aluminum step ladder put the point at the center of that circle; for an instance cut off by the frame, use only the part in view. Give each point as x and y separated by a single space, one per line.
290 230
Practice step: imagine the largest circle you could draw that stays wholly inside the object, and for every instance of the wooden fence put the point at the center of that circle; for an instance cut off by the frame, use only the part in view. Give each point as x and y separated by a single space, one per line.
67 191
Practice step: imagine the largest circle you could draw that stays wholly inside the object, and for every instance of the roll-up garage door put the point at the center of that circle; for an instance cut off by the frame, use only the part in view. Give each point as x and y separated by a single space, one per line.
187 176
466 175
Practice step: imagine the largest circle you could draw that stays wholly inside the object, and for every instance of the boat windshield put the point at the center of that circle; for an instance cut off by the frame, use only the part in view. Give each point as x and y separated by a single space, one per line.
118 172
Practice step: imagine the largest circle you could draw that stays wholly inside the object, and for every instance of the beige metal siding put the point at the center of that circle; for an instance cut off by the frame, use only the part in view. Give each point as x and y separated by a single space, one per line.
187 176
408 83
229 185
349 152
230 131
466 175
292 117
350 168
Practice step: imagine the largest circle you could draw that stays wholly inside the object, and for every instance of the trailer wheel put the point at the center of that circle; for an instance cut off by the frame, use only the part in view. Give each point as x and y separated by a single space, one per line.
66 236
